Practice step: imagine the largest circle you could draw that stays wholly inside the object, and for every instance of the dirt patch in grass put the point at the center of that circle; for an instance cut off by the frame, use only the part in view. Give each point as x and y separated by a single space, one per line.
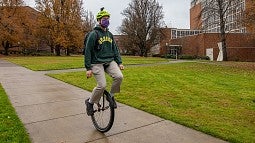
239 65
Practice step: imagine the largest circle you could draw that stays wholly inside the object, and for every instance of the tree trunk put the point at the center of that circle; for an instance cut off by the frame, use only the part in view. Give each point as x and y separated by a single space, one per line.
6 46
67 51
222 30
224 48
57 49
52 49
142 52
223 40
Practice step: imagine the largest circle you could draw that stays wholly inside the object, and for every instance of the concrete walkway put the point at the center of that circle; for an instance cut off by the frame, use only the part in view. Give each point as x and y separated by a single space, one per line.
54 112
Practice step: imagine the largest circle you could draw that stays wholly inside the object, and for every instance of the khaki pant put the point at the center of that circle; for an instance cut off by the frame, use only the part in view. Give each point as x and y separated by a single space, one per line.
99 73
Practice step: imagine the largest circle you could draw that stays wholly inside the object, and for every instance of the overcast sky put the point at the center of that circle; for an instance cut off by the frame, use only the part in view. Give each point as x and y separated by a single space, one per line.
176 12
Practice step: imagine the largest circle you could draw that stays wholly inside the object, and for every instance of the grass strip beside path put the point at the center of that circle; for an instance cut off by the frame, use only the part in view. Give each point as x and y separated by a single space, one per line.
44 63
214 99
48 62
11 128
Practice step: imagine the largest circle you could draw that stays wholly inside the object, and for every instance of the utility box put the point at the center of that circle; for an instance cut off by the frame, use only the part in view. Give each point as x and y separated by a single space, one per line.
209 53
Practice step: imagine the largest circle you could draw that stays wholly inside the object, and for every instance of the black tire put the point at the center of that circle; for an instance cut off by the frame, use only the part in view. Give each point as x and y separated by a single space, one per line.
103 116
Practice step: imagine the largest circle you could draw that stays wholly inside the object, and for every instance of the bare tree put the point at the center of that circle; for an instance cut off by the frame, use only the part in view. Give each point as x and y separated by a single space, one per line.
89 21
217 13
141 24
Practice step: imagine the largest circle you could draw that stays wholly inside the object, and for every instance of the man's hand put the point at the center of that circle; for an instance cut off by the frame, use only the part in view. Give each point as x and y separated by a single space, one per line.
89 73
121 67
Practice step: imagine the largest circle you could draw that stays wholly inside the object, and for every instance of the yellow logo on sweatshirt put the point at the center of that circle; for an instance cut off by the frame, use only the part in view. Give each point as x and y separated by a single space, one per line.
105 39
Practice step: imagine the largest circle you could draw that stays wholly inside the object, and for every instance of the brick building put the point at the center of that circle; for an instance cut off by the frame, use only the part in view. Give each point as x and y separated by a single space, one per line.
240 47
203 37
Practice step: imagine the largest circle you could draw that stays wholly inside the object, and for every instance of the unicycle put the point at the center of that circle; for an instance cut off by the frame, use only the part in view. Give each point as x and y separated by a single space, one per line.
103 116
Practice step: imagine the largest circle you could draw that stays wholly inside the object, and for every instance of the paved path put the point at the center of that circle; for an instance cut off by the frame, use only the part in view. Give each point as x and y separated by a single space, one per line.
53 112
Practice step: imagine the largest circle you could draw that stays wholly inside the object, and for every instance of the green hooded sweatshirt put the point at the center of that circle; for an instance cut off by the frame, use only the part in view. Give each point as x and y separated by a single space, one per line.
106 51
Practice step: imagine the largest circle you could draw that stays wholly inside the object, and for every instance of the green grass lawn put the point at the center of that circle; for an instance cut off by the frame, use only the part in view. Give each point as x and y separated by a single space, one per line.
215 99
11 128
48 62
69 62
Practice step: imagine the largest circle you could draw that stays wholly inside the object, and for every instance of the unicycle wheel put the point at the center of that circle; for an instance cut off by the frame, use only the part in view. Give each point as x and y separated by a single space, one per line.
103 116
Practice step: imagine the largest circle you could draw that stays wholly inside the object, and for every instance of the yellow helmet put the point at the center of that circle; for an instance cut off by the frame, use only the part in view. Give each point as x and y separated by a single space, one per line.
102 13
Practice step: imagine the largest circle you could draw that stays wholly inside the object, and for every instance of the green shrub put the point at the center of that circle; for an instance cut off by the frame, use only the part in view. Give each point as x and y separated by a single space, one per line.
168 56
